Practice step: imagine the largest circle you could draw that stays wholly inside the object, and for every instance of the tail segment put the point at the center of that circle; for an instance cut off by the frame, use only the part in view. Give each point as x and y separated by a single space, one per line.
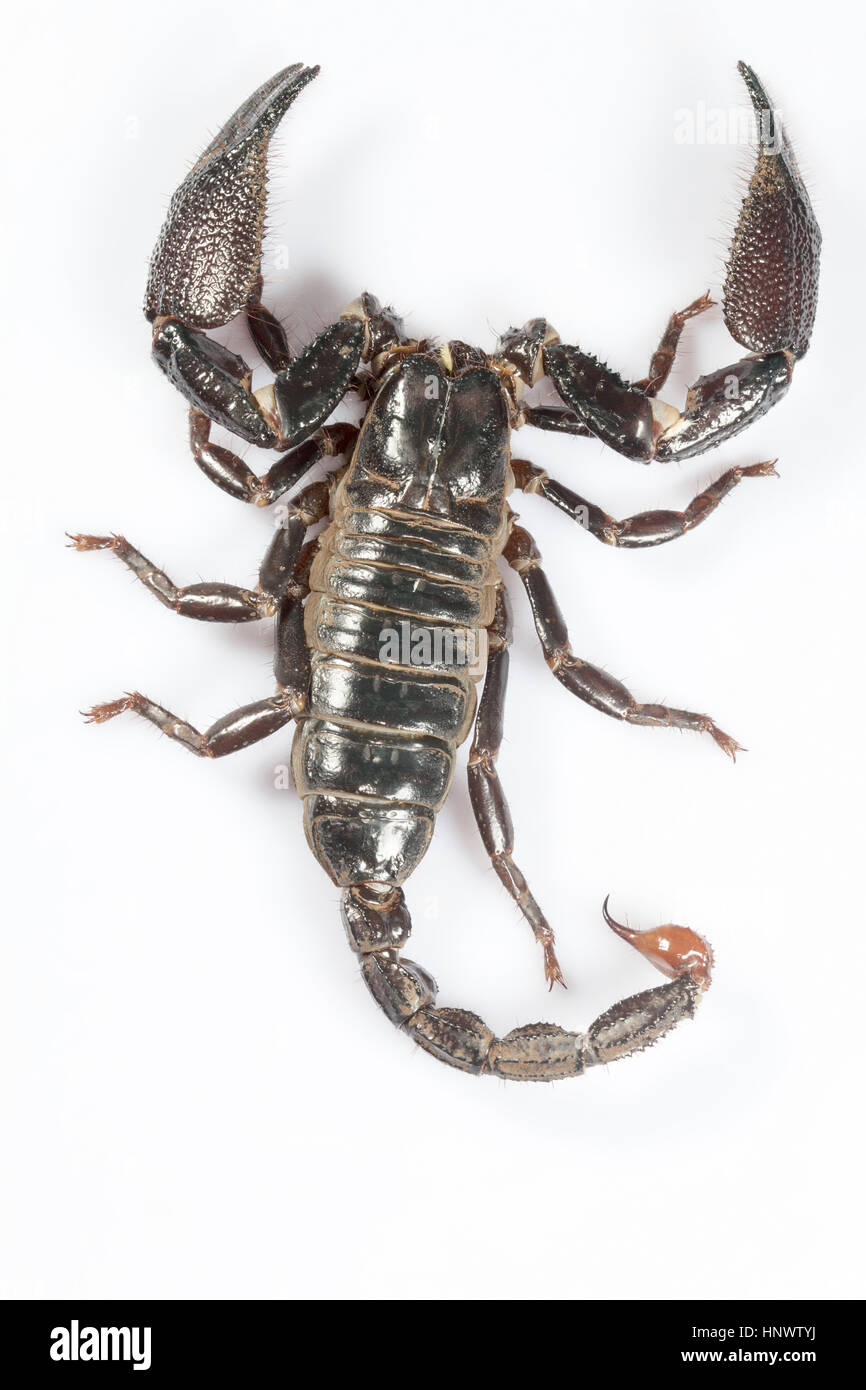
378 926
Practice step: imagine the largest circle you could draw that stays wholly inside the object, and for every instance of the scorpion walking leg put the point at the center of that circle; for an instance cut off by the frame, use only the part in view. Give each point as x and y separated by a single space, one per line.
485 790
284 576
267 332
234 731
235 477
587 682
665 353
250 723
216 603
378 926
226 603
645 528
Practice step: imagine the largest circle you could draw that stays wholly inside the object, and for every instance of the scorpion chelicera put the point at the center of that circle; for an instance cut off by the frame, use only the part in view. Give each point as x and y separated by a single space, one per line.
417 519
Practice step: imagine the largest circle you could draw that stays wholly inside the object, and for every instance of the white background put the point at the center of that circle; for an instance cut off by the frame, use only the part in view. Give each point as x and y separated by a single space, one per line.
200 1098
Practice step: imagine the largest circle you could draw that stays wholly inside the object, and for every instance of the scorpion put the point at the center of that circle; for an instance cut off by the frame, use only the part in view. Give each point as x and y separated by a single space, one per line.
418 518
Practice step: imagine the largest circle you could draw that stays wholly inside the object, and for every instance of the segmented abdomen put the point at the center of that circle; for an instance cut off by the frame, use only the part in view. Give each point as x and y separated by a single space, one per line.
394 623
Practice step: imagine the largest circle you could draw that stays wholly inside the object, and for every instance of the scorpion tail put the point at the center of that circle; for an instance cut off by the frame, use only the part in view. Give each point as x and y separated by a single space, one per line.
378 925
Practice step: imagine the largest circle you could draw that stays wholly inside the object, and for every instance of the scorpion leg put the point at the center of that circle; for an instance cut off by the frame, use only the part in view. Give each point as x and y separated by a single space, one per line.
267 332
645 528
378 925
284 581
250 723
234 731
769 303
235 477
485 790
590 684
292 660
665 354
216 603
227 603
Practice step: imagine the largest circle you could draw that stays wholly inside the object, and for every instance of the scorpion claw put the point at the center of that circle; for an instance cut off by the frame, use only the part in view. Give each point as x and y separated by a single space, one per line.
771 287
769 299
206 266
675 951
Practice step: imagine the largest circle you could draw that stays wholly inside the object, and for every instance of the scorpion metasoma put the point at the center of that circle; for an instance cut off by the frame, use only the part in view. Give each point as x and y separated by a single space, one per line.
417 519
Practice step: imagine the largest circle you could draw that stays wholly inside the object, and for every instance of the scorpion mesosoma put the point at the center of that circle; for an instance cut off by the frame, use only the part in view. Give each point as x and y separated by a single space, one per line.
418 518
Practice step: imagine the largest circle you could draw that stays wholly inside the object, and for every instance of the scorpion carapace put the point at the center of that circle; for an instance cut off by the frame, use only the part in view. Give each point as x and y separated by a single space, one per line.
387 619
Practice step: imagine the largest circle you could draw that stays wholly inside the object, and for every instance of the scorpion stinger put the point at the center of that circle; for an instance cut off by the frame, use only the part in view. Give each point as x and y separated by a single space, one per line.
388 617
206 269
770 298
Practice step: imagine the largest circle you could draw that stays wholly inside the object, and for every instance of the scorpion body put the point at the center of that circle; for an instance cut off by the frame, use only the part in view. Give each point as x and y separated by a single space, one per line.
418 521
404 541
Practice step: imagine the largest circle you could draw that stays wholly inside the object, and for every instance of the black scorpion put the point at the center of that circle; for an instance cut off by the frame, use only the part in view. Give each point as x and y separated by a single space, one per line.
418 518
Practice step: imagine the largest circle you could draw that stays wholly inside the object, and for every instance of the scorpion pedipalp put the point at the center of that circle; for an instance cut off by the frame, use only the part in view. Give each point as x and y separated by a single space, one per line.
206 268
770 297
